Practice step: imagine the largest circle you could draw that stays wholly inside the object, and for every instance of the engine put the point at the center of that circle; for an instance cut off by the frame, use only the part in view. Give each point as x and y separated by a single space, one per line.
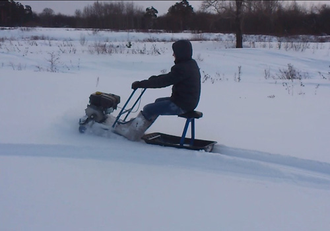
100 105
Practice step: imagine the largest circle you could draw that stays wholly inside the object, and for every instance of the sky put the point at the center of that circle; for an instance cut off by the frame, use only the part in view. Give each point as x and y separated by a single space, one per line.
69 7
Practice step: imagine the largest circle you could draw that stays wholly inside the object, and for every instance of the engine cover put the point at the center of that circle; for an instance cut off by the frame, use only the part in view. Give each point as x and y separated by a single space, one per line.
104 100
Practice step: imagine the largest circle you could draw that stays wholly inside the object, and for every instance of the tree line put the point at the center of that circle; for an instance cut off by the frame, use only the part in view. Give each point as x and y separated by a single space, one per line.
272 17
14 13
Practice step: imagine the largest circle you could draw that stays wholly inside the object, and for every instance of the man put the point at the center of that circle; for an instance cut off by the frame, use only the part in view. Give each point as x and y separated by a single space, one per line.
186 80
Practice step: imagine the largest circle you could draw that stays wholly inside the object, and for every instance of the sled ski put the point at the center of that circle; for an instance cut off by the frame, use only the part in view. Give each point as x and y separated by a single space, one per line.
162 139
182 142
98 115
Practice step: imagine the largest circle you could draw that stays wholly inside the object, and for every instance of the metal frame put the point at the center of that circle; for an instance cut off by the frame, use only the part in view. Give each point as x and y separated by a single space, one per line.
128 111
188 121
173 141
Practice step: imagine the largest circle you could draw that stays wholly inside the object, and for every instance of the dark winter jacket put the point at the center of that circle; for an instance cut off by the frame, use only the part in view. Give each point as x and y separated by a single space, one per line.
184 76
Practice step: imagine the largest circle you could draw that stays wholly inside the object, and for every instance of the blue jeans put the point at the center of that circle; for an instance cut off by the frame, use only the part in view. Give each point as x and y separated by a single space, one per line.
162 106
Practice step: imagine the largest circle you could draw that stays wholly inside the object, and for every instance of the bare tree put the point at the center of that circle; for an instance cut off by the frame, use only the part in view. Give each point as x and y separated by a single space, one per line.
46 16
236 9
238 23
113 15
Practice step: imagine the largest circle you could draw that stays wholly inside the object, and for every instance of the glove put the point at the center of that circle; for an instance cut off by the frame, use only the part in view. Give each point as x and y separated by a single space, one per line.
136 85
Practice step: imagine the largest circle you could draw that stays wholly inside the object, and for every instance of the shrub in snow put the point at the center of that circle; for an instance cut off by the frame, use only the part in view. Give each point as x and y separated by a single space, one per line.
291 73
53 61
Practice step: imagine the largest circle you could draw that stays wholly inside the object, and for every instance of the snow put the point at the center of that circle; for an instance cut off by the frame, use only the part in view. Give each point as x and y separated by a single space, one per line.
269 171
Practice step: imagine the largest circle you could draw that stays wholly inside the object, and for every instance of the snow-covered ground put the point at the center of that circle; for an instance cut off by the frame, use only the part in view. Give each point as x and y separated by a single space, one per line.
269 171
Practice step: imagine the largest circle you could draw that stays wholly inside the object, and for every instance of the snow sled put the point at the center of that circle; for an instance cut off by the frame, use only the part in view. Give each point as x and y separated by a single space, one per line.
98 115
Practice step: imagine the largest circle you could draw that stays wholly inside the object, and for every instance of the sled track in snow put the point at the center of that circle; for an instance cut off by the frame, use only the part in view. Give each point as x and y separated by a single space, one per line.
294 162
276 167
223 160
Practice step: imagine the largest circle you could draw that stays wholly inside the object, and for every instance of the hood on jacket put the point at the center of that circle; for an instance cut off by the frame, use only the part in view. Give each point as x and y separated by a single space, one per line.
182 50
